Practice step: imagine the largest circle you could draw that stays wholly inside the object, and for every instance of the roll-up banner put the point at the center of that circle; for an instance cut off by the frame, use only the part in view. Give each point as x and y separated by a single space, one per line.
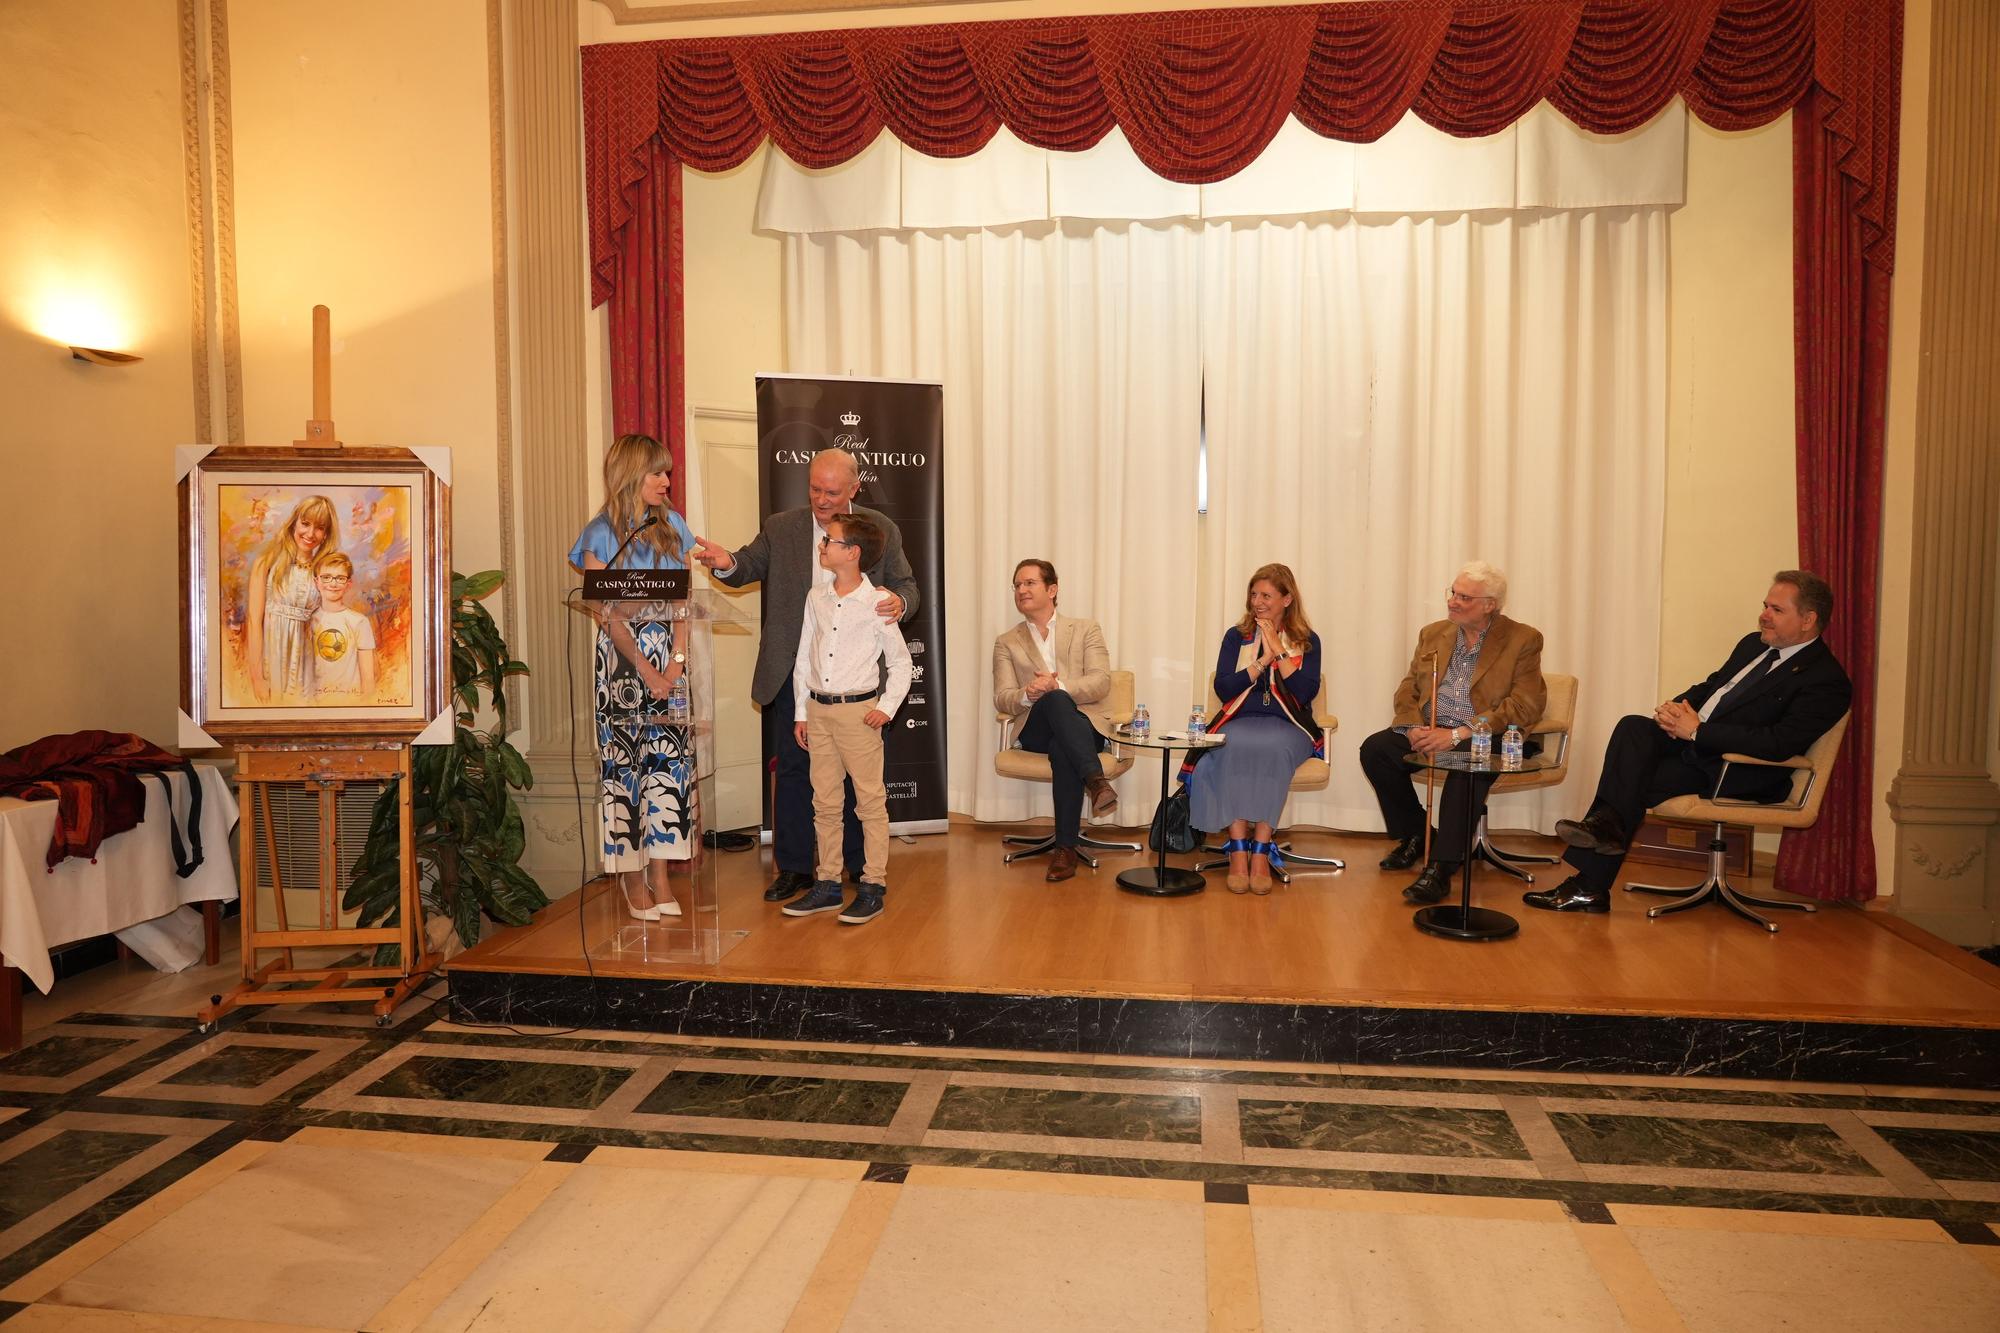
895 429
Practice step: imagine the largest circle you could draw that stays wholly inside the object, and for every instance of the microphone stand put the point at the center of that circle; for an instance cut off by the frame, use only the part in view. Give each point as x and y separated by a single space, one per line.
1430 774
637 528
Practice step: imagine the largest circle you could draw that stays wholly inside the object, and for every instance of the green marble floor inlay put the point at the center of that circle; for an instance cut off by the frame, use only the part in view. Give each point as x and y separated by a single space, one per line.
59 1056
504 1082
239 1067
821 1101
1949 1154
1146 1117
36 1177
1708 1145
1426 1131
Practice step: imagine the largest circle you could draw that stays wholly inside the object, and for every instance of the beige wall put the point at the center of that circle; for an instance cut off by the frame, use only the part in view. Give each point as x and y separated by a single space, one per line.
362 183
93 249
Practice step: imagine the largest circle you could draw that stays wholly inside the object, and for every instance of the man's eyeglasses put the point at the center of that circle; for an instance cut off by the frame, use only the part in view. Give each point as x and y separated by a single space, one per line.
837 541
1454 595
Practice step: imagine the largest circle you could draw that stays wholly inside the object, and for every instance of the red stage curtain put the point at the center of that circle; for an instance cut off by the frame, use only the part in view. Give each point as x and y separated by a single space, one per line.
1200 94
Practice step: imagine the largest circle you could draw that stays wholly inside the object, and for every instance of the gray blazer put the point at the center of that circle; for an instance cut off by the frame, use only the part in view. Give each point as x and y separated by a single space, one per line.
784 557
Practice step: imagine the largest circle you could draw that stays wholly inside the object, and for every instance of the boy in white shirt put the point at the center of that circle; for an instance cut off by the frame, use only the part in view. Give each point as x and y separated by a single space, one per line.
842 704
343 642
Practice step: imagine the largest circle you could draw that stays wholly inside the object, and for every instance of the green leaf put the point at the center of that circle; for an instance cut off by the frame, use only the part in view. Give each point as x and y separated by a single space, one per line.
477 586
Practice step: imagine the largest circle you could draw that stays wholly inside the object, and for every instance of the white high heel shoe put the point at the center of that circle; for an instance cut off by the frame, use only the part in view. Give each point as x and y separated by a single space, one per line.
642 913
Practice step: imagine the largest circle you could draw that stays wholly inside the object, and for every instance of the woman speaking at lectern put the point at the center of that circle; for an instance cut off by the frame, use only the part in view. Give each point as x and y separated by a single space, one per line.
646 761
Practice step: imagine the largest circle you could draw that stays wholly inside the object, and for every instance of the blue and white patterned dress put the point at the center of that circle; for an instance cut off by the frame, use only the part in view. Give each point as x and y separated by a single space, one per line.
646 771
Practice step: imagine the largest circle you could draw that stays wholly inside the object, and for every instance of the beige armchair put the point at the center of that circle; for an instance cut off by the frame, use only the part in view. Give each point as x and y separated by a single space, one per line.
1312 775
1028 766
1558 717
1810 772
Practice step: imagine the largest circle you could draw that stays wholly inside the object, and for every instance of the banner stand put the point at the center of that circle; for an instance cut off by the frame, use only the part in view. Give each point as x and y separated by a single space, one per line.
895 430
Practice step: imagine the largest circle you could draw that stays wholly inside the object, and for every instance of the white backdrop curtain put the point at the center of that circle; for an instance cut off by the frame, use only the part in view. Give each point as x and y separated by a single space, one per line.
1070 357
1388 395
1390 398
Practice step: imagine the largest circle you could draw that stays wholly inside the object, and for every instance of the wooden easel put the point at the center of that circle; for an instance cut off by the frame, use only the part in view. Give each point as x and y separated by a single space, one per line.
327 767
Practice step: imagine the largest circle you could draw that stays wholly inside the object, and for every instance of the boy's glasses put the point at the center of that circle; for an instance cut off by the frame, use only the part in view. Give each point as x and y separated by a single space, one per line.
837 541
334 578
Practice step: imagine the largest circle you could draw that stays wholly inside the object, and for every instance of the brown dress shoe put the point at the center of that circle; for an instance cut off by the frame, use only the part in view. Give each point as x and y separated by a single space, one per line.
1062 865
1103 796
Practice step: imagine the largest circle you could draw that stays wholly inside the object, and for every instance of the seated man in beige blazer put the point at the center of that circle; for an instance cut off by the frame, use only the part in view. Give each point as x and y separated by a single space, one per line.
1052 673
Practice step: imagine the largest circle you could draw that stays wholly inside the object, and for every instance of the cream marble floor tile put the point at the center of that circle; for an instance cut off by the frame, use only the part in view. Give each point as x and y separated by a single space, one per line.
1725 1281
304 1234
631 1248
1321 1270
955 1258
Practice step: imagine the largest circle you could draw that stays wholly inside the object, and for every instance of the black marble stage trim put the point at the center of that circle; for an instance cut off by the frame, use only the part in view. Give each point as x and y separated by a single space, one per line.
1244 1030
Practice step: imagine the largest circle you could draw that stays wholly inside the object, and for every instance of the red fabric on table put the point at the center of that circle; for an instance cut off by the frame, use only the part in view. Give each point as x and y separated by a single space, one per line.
93 776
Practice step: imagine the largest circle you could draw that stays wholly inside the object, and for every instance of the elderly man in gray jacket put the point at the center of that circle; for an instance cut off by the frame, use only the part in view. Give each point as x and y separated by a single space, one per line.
784 557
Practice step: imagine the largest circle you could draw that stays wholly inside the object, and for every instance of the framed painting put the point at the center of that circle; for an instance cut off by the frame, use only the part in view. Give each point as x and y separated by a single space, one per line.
315 593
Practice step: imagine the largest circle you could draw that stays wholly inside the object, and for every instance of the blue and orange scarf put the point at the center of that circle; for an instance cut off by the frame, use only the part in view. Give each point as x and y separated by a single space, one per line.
1299 715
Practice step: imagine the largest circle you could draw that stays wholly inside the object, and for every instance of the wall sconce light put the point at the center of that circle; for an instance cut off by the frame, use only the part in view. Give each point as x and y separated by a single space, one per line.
99 357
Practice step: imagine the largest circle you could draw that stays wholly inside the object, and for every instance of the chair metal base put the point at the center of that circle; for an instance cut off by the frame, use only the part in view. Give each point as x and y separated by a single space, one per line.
1033 846
1716 886
1279 873
1510 862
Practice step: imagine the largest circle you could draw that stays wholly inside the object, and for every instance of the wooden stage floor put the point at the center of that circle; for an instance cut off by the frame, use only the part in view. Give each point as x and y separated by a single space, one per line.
960 921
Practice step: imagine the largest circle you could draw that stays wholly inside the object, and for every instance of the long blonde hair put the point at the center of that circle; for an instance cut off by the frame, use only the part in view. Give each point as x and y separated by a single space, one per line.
627 463
282 551
1295 627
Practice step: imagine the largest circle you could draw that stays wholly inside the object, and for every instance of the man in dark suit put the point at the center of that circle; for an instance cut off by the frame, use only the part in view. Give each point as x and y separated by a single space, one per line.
784 557
1779 691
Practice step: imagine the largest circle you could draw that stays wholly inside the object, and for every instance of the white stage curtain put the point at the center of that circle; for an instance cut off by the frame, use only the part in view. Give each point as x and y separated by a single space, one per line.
1070 358
1540 161
1388 399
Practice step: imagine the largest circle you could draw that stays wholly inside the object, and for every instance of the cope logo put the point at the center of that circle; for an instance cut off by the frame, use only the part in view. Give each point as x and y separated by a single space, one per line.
915 722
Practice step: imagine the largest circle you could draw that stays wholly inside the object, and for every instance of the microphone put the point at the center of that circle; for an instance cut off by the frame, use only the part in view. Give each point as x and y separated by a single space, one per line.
637 528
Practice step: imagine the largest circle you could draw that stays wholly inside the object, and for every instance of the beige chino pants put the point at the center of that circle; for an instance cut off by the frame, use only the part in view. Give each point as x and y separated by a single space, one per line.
844 748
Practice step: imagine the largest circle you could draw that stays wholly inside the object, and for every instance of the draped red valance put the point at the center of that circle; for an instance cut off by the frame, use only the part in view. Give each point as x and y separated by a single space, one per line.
1199 94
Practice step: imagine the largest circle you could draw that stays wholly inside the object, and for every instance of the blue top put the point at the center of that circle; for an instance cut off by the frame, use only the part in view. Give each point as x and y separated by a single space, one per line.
600 540
1230 682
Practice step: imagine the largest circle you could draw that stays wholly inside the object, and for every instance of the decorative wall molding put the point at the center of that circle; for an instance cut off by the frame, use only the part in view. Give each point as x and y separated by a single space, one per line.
624 14
1944 794
194 186
544 116
223 139
503 352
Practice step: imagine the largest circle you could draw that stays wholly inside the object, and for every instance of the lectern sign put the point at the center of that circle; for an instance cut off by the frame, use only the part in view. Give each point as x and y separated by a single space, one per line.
635 585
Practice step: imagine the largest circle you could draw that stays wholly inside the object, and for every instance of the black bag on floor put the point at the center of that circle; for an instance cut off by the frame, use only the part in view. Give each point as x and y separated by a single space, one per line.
1172 828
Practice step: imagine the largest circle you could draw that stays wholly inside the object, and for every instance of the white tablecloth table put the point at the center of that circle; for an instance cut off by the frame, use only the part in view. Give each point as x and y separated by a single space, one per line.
132 879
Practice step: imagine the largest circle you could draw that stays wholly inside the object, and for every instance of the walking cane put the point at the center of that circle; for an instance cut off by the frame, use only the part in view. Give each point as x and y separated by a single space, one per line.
1430 774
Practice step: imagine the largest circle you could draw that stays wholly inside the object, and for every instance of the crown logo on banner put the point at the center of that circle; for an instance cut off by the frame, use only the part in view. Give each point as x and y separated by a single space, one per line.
850 419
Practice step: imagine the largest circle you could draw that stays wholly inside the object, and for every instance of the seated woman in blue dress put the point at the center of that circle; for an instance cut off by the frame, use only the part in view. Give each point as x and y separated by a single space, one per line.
1267 676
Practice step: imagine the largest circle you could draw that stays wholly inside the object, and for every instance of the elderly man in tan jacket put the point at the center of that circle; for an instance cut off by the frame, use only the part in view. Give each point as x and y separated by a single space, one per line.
1488 667
1052 674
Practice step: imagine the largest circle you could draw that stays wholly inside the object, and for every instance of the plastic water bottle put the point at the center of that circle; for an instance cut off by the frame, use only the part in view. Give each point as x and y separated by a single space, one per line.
680 710
1142 723
1512 747
1482 743
1198 722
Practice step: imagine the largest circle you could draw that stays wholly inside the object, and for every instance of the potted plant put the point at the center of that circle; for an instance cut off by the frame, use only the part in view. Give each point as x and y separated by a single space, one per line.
469 834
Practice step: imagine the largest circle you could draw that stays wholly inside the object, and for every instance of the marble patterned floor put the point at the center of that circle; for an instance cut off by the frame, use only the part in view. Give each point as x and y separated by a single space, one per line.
313 1171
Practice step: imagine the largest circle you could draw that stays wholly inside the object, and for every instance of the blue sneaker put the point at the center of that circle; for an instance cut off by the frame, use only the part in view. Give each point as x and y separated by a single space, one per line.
867 905
824 897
